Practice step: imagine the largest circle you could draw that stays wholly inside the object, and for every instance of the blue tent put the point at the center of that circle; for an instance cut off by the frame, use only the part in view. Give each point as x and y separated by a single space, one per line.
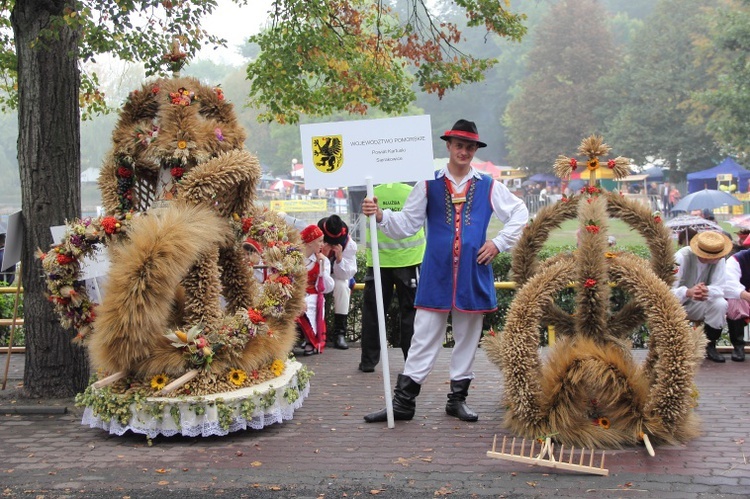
706 179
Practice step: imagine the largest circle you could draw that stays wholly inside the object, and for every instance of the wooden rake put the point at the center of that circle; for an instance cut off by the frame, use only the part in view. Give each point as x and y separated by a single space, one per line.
547 458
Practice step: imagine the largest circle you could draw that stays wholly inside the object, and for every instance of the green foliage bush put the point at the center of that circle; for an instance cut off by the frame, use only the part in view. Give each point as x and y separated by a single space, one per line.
6 312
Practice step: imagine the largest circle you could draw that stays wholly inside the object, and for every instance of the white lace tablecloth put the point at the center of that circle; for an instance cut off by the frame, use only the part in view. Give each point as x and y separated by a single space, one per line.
192 424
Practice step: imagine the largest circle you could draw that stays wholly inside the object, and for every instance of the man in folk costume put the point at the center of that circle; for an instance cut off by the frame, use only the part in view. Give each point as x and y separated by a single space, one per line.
342 253
700 282
319 282
455 208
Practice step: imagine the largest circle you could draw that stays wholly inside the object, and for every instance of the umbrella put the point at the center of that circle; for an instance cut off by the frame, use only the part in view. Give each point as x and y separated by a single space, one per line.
705 199
282 184
544 177
654 173
699 224
740 221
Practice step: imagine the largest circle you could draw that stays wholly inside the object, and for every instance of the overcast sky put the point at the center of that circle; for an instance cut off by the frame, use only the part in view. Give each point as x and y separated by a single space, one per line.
235 24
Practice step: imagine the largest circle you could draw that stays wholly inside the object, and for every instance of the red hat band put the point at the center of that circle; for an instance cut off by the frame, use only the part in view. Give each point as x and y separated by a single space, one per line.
462 135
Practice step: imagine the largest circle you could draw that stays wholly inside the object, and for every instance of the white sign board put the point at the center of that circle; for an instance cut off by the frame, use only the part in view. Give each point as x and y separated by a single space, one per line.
13 241
344 153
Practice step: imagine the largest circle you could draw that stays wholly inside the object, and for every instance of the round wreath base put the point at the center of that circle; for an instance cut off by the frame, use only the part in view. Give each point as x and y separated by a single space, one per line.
214 414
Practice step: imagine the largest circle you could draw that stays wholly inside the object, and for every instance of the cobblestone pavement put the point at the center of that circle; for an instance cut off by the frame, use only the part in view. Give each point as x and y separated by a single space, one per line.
327 450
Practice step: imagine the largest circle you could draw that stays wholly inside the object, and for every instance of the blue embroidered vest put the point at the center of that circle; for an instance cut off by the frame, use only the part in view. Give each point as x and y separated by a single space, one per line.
451 276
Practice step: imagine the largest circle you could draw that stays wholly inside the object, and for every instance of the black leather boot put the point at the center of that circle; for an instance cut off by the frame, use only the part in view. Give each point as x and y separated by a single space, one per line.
712 334
738 354
712 354
737 337
403 401
456 405
339 331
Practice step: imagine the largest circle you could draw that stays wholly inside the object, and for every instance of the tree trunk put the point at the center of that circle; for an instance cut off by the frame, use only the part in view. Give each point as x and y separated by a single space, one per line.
49 160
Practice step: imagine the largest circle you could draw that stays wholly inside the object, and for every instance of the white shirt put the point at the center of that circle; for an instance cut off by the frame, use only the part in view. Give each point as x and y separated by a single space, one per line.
347 267
732 285
508 208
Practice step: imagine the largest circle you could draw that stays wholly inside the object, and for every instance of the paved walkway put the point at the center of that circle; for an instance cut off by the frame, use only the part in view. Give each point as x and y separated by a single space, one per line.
327 450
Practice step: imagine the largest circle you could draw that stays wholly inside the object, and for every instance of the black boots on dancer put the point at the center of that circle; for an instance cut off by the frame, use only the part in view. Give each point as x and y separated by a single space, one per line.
456 405
339 331
404 404
736 336
403 401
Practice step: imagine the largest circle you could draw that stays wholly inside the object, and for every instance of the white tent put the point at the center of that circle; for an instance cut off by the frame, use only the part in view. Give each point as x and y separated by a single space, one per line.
90 175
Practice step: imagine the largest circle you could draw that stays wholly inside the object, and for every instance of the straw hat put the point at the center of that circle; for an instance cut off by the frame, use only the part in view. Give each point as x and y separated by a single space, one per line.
710 245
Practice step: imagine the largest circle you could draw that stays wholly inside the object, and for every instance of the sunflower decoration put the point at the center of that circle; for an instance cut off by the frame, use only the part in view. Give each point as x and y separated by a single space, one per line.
159 381
237 377
277 367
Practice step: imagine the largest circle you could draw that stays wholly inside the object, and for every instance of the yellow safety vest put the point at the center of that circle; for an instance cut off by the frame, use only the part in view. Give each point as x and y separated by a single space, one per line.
395 252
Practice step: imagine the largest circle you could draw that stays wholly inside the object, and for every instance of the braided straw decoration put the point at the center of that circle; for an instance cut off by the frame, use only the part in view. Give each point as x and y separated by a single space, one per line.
590 371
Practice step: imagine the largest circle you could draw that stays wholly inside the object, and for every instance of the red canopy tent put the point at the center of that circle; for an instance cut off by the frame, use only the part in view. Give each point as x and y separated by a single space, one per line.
489 168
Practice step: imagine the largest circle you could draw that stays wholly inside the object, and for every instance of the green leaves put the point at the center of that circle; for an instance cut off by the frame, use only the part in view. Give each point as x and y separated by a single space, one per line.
353 55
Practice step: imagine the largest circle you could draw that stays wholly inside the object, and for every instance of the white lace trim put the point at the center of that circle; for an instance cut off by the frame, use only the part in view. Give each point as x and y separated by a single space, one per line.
207 424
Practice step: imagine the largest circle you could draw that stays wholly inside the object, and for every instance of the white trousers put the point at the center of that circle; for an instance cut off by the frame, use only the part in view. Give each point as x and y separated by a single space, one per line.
341 294
429 333
713 312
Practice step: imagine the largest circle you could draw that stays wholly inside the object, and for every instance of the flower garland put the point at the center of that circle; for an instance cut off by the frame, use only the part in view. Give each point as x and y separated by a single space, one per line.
62 266
116 402
280 256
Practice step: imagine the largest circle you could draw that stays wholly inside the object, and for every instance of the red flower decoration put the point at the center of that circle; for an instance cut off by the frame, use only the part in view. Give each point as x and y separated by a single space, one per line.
589 283
124 172
109 224
155 89
64 259
284 280
611 164
255 316
594 229
657 219
246 224
573 163
177 172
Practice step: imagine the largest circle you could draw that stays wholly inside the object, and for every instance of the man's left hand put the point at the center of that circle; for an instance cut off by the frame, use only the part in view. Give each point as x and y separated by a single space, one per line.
486 253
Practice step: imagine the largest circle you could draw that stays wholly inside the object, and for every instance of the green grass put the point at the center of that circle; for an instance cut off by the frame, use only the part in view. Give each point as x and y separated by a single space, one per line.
566 234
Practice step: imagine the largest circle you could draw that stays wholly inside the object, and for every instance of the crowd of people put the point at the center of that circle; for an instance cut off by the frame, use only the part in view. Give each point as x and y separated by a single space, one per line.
424 238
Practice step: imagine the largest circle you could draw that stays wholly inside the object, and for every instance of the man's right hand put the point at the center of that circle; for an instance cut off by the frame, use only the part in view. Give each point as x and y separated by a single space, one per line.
370 207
